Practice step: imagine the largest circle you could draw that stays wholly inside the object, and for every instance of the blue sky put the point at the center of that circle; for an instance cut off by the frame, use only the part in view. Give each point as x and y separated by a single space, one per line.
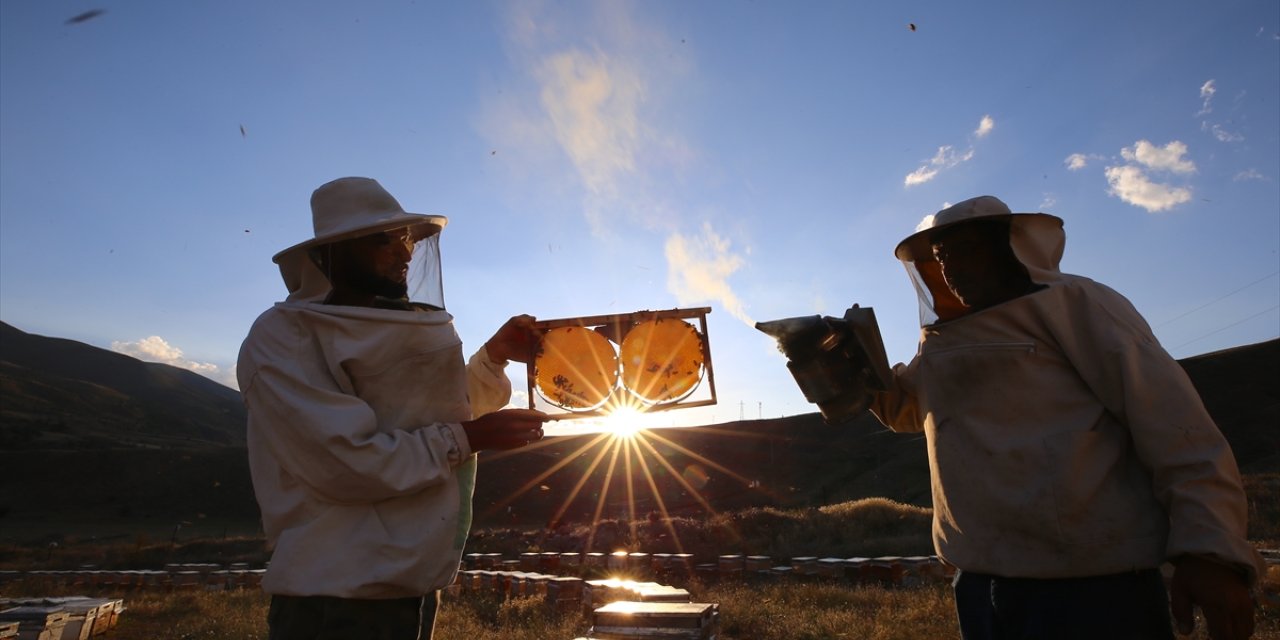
761 158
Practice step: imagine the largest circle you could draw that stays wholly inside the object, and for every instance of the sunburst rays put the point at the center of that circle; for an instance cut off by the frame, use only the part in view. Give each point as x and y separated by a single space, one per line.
634 467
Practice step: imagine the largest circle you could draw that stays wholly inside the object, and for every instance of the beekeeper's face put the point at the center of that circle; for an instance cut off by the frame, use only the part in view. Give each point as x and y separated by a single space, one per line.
977 263
377 264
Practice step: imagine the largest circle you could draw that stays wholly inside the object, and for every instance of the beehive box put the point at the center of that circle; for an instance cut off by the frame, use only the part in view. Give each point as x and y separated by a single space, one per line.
529 561
805 565
885 570
618 561
756 564
733 564
666 620
84 615
37 622
117 609
662 593
565 593
570 561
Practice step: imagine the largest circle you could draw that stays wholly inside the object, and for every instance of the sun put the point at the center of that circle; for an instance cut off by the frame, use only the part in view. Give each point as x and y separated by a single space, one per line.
623 422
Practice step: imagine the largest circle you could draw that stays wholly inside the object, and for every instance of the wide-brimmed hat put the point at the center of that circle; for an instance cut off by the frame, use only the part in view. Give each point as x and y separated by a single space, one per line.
353 207
916 246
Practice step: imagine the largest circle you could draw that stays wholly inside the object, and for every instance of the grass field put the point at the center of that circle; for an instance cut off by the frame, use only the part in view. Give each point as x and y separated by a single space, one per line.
789 610
769 611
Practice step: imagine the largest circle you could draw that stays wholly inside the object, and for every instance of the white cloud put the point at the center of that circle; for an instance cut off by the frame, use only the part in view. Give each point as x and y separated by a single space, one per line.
592 102
1076 161
1131 184
920 176
519 400
985 126
698 270
597 103
945 158
1206 94
926 222
1166 158
156 349
1048 202
1250 174
1222 134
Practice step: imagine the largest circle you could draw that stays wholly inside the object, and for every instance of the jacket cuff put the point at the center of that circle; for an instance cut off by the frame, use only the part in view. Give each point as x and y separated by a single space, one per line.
488 373
459 446
483 355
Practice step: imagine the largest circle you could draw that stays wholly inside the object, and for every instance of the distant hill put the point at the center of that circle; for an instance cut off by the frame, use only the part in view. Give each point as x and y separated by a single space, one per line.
801 461
62 394
88 402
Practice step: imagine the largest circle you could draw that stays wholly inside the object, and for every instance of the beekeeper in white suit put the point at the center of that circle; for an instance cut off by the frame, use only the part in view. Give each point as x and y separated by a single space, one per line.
1069 453
364 421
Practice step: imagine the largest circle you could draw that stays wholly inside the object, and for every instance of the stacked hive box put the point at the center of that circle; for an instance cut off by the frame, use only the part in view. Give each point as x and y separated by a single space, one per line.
37 622
667 620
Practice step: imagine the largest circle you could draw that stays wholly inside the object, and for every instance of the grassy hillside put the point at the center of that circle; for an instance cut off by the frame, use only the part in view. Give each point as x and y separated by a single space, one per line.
62 394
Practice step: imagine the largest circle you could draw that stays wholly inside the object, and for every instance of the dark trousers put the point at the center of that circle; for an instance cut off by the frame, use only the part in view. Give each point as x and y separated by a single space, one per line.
328 618
1124 606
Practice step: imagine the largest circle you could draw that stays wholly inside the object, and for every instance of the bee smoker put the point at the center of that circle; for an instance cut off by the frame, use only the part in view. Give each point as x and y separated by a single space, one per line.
837 362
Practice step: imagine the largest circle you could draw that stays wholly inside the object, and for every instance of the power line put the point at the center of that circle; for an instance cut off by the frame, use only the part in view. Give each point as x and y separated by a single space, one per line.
1268 310
1219 299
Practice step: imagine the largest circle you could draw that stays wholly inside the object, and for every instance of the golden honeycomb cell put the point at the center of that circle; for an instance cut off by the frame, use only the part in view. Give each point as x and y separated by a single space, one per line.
662 360
576 368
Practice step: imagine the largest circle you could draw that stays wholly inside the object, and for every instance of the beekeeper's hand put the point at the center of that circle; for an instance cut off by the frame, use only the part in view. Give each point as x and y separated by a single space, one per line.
1221 593
516 340
505 429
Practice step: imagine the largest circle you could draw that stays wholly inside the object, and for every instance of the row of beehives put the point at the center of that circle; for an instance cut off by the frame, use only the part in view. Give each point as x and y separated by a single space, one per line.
152 579
619 608
892 570
70 617
566 592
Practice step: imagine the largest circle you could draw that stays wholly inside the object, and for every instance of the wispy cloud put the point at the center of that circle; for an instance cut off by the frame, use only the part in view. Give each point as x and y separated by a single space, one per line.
947 157
1077 161
1219 131
156 349
1132 184
591 102
699 270
599 103
1250 175
1206 95
984 127
596 103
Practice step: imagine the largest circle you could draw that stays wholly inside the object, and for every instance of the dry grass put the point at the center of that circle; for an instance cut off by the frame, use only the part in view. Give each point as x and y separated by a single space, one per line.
791 610
820 611
478 616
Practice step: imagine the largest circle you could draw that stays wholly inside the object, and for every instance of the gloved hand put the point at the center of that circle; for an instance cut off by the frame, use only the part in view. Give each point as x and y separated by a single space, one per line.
516 340
1221 593
505 429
